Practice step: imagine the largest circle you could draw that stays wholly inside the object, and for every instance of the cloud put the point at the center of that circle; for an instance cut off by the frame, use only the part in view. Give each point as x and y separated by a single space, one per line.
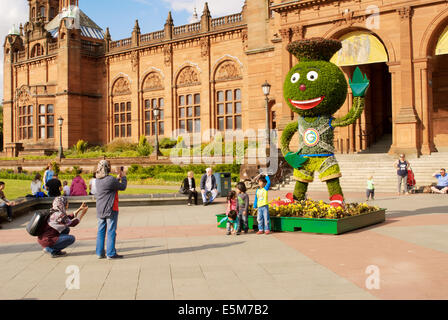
13 12
218 8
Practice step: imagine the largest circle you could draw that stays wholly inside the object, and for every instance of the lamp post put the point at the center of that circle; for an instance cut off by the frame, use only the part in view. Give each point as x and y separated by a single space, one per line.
61 150
156 113
266 91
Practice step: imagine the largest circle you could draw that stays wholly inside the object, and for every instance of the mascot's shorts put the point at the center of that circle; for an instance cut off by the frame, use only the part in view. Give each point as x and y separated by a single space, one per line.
327 167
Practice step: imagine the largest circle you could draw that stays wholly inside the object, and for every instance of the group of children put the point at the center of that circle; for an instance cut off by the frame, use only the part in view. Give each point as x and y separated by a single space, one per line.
238 208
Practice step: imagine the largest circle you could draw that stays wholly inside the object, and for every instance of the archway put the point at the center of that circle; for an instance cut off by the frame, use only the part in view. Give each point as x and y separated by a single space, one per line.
439 90
373 132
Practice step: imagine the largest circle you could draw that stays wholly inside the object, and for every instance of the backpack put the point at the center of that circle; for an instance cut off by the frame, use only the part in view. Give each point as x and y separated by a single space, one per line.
37 222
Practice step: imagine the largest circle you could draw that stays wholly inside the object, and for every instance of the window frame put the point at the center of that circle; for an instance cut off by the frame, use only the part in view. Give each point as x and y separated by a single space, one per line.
124 116
182 111
224 116
151 122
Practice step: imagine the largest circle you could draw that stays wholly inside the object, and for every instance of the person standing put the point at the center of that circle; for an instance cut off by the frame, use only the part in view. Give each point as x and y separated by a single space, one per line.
402 166
48 175
208 184
442 184
189 186
92 185
54 187
242 208
78 187
107 188
370 191
262 204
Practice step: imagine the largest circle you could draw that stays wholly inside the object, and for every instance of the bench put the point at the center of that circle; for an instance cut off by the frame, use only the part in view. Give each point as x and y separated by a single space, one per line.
24 205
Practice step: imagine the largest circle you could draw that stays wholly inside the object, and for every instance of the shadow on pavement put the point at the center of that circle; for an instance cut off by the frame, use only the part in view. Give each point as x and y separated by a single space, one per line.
431 210
183 250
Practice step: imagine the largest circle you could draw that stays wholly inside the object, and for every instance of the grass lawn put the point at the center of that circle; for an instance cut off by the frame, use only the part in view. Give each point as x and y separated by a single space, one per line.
19 188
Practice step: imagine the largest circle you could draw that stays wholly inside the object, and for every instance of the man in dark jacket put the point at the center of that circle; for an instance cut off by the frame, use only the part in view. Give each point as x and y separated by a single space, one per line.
107 188
208 184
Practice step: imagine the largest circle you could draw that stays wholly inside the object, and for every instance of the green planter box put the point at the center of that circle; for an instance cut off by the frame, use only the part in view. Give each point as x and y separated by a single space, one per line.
326 226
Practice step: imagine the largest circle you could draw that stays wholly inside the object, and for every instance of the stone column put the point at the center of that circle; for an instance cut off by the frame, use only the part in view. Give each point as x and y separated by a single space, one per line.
424 76
406 123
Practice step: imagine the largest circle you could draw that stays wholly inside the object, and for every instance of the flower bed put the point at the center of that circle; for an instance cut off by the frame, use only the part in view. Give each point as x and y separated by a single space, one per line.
318 217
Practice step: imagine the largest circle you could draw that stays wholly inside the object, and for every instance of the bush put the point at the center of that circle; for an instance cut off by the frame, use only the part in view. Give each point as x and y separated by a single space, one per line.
144 149
120 145
167 143
81 146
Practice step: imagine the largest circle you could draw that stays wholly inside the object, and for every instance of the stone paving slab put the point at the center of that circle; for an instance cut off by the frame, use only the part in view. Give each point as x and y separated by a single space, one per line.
177 252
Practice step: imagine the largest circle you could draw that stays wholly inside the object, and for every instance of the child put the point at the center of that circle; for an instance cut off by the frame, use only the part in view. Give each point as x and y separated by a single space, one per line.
5 203
66 189
262 203
370 192
242 206
232 222
231 206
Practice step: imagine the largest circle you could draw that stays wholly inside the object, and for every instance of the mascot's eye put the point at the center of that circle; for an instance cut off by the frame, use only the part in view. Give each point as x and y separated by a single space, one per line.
312 76
295 78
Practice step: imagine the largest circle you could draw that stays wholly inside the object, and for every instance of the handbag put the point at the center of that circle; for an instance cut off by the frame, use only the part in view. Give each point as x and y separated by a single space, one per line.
182 189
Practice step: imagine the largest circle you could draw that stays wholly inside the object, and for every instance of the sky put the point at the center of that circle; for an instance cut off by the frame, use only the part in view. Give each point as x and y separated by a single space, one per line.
120 15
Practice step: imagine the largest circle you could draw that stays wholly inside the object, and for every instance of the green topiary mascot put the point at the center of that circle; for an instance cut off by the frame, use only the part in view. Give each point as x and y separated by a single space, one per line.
315 89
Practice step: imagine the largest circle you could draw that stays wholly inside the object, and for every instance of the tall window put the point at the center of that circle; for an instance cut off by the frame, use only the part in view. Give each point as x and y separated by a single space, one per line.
37 51
46 121
122 120
25 115
150 123
229 111
42 11
189 113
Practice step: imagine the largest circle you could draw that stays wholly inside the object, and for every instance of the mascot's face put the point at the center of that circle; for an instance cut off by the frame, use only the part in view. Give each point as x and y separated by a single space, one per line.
314 88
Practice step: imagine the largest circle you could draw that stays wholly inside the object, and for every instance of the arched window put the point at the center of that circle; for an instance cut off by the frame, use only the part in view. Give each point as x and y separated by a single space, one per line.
33 13
37 51
188 101
228 96
122 109
51 13
42 11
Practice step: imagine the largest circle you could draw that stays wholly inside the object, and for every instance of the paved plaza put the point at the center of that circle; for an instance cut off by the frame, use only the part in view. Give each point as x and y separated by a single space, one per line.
177 252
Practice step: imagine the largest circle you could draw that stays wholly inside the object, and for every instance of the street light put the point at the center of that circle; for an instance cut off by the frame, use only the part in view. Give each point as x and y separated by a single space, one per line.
61 151
266 91
156 113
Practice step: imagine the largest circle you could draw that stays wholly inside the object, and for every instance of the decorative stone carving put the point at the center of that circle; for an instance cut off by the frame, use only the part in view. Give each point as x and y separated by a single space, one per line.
245 38
188 77
205 47
135 60
167 53
228 71
405 12
24 97
121 87
285 34
298 32
349 18
152 82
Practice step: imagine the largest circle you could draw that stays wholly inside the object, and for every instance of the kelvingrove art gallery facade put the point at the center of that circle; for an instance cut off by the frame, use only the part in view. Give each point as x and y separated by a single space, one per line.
206 77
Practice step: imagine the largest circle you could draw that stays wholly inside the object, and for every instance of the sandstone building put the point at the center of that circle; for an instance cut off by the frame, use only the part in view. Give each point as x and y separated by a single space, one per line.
208 74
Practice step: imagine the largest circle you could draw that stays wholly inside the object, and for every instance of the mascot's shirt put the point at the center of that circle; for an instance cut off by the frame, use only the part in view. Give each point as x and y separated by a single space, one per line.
316 138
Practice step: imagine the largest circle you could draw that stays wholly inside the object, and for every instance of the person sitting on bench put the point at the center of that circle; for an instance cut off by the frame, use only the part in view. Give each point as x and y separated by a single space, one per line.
208 184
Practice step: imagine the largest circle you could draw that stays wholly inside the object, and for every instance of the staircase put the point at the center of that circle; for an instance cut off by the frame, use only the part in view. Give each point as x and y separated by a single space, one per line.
356 168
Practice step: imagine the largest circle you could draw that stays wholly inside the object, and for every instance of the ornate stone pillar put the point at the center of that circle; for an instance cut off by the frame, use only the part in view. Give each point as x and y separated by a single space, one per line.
406 123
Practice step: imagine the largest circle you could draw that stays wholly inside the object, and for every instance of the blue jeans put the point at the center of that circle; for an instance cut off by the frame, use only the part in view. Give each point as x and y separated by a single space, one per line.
109 224
63 242
263 218
8 209
212 198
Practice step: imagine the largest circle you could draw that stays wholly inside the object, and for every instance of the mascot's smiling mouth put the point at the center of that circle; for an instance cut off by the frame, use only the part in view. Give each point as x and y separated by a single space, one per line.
307 104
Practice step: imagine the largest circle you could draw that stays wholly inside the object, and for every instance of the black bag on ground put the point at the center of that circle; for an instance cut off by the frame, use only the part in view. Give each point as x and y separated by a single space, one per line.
37 222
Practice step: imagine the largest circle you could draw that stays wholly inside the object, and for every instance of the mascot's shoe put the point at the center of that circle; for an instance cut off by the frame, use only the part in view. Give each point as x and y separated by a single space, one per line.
337 201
